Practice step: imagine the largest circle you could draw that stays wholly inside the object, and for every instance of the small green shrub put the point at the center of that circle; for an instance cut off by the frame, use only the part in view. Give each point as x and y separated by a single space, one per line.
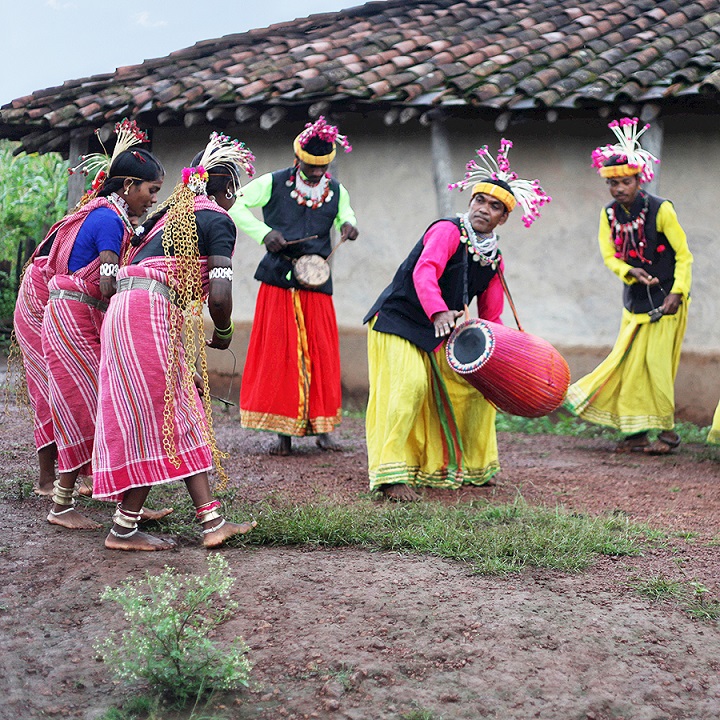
166 639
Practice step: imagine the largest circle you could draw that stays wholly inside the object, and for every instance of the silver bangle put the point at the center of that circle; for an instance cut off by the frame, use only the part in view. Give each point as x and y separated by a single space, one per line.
225 273
108 269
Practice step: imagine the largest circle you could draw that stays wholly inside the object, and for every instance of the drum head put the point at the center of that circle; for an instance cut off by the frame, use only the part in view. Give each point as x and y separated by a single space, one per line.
311 271
470 346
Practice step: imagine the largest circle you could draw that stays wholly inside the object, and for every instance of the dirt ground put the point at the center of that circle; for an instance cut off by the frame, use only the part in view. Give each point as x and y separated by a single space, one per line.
349 634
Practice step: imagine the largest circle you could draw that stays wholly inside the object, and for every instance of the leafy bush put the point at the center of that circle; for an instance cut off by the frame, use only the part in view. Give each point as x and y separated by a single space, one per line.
166 639
33 195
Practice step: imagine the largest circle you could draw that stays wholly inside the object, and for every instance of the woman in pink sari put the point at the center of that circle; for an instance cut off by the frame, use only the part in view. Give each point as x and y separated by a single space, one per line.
153 426
81 269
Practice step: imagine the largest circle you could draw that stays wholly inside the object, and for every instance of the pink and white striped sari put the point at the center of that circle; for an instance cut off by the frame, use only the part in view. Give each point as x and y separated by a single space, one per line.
71 341
129 449
29 310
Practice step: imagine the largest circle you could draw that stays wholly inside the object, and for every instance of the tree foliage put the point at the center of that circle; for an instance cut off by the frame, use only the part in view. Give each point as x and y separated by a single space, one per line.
33 195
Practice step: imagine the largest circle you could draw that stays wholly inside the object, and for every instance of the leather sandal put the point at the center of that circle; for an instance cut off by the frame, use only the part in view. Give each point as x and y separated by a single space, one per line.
666 442
632 443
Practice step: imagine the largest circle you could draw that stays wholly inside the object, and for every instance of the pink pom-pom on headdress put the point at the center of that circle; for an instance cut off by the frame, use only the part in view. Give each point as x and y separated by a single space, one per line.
323 131
627 150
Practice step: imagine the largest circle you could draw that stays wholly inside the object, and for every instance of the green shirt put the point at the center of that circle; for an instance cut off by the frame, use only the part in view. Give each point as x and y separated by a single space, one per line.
257 194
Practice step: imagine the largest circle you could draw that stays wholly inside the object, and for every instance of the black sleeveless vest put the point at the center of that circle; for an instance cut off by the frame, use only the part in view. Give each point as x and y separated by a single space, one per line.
294 221
398 308
662 263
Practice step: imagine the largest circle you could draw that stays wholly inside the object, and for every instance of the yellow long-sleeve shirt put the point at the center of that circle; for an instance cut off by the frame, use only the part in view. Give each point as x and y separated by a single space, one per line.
666 223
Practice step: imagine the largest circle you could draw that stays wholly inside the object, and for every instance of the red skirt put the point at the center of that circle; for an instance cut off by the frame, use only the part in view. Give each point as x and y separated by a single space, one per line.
291 381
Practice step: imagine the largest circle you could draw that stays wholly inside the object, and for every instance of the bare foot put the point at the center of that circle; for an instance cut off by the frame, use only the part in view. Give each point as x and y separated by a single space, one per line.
43 490
138 541
148 515
85 487
283 446
325 442
226 530
399 492
72 520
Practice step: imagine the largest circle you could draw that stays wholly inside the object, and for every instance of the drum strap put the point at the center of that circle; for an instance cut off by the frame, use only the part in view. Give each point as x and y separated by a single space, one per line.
503 282
506 289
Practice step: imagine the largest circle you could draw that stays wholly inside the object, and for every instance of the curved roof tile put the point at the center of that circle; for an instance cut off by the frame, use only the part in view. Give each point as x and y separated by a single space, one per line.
493 54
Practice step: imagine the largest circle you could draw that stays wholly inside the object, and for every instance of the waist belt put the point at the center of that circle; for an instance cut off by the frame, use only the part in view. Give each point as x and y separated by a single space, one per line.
100 305
141 283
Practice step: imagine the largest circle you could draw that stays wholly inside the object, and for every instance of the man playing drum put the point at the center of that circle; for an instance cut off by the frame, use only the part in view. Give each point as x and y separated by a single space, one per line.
641 241
426 425
291 381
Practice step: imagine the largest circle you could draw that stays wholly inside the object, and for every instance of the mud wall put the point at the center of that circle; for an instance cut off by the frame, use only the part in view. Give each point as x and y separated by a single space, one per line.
560 285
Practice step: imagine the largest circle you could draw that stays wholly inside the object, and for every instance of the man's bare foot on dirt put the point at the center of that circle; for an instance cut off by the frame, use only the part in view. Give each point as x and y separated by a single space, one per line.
85 487
225 530
43 490
325 442
137 542
148 515
282 446
71 519
399 492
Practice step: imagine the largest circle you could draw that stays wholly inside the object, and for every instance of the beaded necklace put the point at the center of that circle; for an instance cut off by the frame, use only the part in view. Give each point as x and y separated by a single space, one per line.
312 196
122 207
629 236
482 249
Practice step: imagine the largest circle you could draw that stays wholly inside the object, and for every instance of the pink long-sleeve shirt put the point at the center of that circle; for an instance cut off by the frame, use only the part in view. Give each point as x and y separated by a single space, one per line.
440 243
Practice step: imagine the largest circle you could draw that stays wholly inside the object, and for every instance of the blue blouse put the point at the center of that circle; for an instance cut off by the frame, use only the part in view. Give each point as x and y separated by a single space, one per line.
102 230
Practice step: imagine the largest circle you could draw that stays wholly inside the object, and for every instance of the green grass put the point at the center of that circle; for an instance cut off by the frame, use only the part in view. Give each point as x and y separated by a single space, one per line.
658 588
490 539
691 596
562 423
152 707
420 715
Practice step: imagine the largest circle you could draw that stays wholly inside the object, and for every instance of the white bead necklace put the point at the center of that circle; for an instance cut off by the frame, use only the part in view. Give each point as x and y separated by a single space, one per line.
313 196
483 249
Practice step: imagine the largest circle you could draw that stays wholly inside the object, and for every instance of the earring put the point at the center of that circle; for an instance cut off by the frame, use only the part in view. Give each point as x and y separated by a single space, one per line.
229 195
127 189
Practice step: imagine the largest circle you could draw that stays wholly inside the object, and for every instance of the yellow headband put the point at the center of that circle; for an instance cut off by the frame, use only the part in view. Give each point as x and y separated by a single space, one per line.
505 197
613 171
312 159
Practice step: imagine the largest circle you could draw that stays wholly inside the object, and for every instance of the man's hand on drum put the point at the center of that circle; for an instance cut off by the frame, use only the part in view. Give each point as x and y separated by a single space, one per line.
348 232
444 322
274 241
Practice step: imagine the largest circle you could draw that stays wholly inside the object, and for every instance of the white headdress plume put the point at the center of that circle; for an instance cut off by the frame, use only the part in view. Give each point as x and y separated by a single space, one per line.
632 158
527 193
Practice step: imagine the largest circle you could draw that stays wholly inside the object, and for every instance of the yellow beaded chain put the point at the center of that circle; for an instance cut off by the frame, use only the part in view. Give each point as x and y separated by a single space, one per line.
186 323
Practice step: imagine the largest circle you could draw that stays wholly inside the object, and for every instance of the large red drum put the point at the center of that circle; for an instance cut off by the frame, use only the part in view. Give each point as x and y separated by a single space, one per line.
519 373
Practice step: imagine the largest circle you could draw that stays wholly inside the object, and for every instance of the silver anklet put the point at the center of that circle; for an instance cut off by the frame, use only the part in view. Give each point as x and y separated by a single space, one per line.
62 512
121 535
213 529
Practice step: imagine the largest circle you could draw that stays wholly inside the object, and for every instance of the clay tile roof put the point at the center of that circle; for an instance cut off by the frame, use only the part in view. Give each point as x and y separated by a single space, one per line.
463 55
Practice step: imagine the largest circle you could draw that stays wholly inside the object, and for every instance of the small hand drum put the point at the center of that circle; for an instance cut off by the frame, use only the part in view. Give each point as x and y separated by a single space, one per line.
311 271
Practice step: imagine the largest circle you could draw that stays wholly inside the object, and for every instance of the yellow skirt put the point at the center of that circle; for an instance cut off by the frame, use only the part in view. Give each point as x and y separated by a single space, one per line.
633 389
426 426
714 434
